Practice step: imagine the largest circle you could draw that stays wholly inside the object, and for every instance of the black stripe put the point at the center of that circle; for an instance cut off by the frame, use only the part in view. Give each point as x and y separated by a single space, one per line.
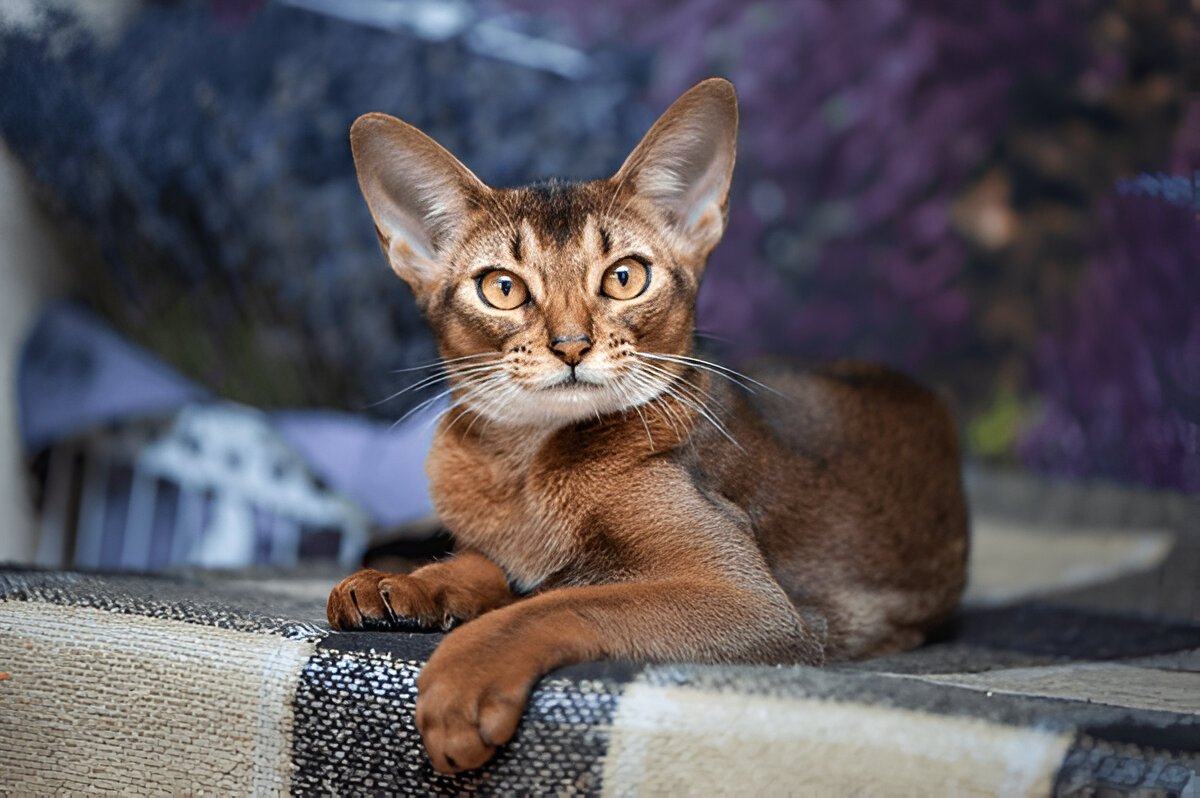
516 246
355 731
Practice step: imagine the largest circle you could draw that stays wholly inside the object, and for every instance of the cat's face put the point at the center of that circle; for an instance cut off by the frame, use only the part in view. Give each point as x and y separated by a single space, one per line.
560 302
563 302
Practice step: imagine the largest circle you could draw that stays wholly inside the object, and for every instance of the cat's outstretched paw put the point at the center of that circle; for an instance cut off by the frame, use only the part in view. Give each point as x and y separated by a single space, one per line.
375 600
470 697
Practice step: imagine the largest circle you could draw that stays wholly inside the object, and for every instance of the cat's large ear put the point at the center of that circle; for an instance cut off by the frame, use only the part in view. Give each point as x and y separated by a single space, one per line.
418 193
684 164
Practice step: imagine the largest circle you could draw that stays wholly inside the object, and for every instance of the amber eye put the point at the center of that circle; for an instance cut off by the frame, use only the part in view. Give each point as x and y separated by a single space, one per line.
502 290
625 279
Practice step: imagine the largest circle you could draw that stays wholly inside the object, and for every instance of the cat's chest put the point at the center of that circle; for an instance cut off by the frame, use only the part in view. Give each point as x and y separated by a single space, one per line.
513 506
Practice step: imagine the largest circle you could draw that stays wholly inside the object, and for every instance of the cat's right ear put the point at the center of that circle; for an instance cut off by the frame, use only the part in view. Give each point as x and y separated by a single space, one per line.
684 165
418 193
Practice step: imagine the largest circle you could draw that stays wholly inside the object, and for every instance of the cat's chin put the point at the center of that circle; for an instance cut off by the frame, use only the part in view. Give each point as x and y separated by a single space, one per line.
559 405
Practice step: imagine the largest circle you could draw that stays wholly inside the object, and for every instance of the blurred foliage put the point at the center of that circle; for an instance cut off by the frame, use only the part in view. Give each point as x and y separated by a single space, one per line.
933 183
994 431
1119 368
206 152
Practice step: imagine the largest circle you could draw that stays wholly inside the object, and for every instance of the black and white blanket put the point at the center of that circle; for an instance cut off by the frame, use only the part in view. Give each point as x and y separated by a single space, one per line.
1073 669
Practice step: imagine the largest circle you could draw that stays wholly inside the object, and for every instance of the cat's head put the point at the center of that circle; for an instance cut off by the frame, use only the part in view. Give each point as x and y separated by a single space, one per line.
557 302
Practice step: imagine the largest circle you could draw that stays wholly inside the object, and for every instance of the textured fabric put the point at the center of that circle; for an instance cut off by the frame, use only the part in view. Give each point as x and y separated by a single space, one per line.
688 741
355 733
101 702
205 600
232 683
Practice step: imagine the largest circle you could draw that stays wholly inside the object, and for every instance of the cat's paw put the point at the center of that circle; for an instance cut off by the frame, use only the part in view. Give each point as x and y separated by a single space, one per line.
470 697
376 600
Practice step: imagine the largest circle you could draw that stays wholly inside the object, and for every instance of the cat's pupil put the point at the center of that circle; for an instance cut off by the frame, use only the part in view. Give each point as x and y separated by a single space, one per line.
505 285
623 275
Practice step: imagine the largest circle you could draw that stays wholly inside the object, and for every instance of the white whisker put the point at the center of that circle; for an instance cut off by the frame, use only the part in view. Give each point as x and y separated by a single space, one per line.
664 388
716 368
629 401
656 399
677 381
462 403
427 402
444 362
434 379
695 403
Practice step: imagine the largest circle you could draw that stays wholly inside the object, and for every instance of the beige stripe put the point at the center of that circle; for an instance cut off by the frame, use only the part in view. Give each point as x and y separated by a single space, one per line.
1012 561
110 703
683 741
1100 683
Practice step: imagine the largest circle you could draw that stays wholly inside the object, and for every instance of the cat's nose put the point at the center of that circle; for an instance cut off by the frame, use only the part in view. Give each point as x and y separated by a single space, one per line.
571 349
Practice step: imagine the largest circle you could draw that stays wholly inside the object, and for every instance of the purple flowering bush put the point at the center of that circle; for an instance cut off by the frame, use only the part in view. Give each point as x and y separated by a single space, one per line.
1119 372
930 183
925 182
863 128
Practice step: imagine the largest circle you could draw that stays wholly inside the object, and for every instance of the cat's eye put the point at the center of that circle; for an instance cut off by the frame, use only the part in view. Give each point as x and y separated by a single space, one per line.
625 279
502 289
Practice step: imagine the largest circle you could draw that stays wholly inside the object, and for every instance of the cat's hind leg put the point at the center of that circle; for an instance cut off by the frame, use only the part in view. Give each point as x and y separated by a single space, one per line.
874 622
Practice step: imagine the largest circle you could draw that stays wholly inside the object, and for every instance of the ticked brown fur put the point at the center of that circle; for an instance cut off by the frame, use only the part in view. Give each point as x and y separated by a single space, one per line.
609 495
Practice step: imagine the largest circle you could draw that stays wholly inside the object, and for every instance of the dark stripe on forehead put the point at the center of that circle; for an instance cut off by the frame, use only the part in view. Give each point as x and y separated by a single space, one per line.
556 211
605 242
516 245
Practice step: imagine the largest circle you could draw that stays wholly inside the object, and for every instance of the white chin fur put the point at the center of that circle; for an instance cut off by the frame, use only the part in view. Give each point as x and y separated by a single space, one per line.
564 404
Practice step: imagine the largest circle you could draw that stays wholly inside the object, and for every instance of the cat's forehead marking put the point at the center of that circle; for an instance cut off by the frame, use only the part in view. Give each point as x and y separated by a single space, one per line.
535 250
516 245
557 211
592 241
605 240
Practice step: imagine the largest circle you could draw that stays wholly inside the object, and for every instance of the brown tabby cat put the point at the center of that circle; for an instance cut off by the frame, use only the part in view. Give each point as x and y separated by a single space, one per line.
610 495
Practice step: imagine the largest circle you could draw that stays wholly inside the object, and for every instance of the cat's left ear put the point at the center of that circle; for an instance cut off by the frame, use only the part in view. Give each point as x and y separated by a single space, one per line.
684 165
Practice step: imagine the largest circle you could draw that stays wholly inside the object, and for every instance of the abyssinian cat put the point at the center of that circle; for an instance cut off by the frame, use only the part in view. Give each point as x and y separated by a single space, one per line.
610 494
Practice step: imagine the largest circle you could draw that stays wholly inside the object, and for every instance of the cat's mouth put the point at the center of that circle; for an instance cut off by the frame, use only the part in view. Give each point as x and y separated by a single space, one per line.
562 399
573 382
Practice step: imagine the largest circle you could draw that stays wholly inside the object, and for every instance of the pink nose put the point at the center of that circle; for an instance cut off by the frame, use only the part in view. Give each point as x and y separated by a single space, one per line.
571 349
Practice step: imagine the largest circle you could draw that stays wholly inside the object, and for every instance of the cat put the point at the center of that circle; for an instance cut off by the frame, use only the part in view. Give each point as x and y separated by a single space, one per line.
611 495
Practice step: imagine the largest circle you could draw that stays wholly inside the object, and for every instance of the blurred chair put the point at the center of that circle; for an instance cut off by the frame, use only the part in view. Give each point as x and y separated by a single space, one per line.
212 485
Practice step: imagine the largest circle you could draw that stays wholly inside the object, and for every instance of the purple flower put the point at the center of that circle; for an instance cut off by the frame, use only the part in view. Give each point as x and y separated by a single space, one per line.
1119 374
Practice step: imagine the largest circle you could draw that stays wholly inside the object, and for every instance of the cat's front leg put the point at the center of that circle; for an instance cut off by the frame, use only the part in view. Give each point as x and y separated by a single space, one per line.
436 596
473 690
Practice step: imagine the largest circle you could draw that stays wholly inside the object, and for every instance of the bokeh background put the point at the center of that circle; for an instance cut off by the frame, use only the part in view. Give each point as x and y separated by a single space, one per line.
1002 198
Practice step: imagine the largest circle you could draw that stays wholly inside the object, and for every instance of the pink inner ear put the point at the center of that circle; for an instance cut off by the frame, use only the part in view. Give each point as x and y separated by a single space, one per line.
711 221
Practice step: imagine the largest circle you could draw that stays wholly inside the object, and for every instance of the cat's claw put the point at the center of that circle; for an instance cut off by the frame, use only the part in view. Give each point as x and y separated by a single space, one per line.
373 600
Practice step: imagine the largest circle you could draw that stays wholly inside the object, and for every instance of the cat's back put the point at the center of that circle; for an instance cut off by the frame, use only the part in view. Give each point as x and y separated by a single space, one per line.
805 437
855 404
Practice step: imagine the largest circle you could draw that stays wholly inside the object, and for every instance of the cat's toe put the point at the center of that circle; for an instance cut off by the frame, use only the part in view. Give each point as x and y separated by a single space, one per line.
470 698
355 603
374 601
